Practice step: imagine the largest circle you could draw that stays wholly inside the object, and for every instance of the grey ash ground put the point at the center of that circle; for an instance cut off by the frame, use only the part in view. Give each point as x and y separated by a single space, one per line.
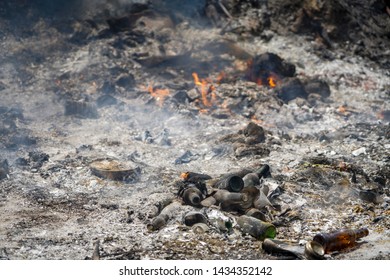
109 86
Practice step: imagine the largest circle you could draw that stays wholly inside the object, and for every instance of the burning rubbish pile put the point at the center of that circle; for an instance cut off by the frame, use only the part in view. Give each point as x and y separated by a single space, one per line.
193 130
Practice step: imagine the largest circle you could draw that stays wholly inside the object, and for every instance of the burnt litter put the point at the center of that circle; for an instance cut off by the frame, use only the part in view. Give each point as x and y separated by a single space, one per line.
194 130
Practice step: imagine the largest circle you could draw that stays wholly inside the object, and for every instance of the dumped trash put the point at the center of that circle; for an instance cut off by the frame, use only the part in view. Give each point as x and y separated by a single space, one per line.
314 251
240 200
231 183
192 193
256 228
165 215
114 170
284 248
193 217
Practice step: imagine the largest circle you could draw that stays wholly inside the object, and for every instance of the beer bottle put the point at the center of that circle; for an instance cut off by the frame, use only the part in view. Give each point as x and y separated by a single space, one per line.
340 240
232 183
255 227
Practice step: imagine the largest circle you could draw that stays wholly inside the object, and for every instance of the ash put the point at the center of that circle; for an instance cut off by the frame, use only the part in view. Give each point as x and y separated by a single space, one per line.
115 82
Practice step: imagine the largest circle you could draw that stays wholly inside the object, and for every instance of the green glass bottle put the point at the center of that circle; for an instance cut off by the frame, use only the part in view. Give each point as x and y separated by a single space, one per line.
256 228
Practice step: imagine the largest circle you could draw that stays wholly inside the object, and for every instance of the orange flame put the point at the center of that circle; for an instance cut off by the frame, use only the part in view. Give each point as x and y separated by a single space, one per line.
205 89
159 94
271 82
220 77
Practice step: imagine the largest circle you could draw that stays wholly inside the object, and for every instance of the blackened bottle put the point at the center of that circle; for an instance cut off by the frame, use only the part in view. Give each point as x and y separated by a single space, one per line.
340 240
232 183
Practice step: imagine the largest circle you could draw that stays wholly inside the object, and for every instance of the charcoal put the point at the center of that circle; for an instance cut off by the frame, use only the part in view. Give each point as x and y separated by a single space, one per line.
194 177
317 86
38 158
4 169
21 161
181 97
267 65
21 139
81 109
2 86
106 100
291 89
126 81
370 196
108 87
255 133
11 113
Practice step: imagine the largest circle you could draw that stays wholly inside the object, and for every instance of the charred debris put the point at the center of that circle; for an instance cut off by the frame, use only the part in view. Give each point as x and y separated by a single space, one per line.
195 129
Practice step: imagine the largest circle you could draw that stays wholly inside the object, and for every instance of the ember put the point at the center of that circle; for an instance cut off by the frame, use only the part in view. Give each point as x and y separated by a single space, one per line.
159 94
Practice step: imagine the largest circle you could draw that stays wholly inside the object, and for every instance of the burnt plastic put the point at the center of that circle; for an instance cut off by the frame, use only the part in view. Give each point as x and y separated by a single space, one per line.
340 240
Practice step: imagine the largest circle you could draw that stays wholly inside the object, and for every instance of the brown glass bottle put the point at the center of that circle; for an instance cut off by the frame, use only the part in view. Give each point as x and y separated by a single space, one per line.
340 240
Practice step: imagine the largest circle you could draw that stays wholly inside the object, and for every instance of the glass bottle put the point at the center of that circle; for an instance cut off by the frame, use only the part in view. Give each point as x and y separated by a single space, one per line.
255 227
340 240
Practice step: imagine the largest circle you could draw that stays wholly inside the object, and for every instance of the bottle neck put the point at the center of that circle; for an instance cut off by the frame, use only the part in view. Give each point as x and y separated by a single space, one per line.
361 233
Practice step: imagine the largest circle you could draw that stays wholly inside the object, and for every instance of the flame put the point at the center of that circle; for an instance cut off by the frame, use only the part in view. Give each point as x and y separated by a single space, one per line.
159 94
262 77
271 82
342 109
205 90
220 77
185 175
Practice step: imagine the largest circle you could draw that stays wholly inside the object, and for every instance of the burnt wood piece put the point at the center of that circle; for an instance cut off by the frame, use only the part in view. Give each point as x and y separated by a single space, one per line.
290 89
255 133
317 86
194 177
267 65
